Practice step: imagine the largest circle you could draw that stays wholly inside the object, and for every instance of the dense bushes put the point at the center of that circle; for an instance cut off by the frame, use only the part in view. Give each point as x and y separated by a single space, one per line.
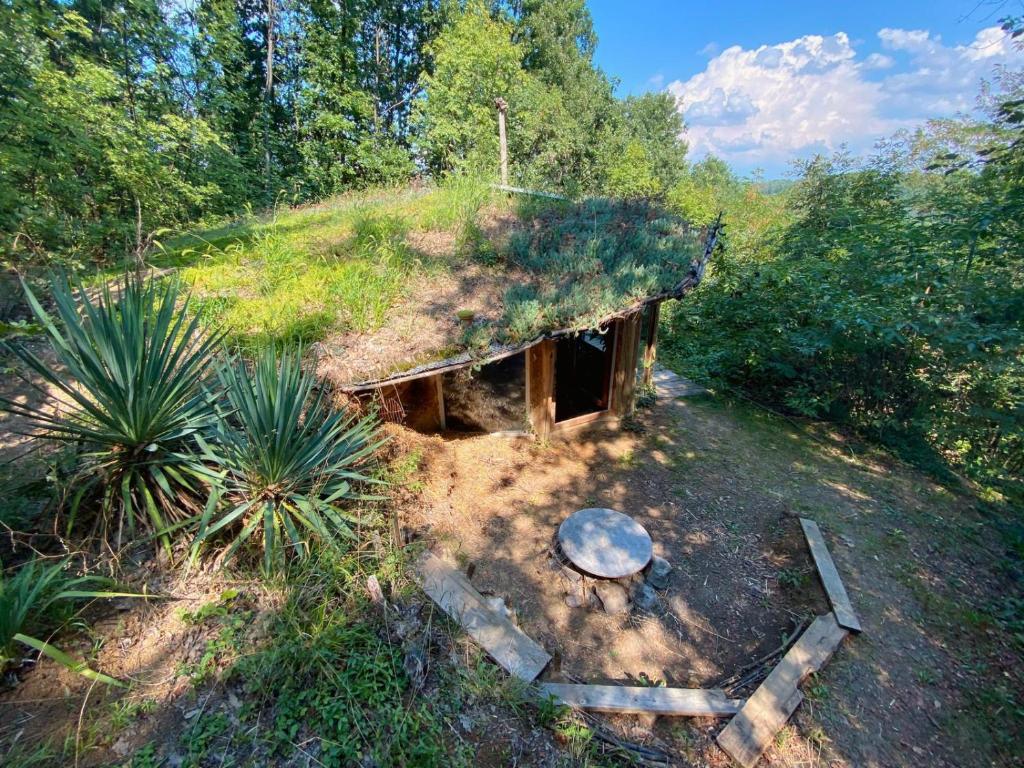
888 297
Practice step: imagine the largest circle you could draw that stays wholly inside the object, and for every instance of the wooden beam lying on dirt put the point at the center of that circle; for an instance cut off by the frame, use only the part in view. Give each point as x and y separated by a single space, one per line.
503 640
753 729
830 576
692 702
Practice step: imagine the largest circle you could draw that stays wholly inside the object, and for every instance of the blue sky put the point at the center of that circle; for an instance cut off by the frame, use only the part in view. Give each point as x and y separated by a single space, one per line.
760 83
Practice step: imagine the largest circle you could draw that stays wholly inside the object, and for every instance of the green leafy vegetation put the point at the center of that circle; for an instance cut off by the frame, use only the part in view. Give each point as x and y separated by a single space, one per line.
886 296
288 459
125 124
128 391
40 599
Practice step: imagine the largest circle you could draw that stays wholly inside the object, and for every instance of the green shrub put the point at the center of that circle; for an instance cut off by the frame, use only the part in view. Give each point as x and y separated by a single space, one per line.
40 599
288 459
127 390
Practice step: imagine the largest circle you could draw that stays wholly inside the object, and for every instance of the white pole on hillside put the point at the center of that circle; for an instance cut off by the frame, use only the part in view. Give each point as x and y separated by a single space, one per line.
502 107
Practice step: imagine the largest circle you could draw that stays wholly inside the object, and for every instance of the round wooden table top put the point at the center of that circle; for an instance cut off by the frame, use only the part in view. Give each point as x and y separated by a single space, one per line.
605 543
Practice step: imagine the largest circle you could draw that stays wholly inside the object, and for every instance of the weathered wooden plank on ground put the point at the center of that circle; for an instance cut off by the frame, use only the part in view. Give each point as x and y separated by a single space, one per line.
692 702
753 729
830 576
672 385
502 639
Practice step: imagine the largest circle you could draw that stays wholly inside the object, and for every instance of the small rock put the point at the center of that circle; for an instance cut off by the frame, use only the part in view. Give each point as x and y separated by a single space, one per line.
573 600
120 747
644 597
497 605
415 665
657 577
646 720
613 596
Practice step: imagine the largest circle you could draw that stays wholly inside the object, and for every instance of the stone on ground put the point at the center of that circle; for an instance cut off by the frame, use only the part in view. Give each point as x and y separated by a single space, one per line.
644 597
613 596
657 577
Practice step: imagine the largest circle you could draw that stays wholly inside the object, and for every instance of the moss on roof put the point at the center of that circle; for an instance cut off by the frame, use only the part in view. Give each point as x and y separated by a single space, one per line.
377 280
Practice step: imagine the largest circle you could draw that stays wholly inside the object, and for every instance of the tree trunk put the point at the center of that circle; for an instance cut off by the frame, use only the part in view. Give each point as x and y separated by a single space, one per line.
268 95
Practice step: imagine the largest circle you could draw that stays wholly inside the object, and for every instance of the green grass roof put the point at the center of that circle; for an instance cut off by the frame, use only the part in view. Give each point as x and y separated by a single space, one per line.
378 280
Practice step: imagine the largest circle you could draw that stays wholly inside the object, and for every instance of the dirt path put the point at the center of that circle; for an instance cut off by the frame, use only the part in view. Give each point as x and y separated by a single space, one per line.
931 679
934 680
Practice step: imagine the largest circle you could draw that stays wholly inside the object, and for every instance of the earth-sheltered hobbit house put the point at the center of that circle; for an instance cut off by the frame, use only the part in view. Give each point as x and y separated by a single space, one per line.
551 330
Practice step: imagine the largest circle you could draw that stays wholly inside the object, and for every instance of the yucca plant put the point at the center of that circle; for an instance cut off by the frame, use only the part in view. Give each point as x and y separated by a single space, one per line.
128 391
289 462
40 599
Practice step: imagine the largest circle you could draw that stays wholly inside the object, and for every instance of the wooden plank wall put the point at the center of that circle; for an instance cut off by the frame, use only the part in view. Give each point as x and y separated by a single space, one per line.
540 387
624 372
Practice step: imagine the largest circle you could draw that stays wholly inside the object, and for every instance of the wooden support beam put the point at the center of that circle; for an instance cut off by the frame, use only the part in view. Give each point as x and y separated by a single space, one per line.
750 733
439 388
830 576
684 702
627 344
540 387
503 640
651 347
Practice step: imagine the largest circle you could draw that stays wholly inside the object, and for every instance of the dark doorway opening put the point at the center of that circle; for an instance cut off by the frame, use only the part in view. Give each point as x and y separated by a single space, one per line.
491 399
583 367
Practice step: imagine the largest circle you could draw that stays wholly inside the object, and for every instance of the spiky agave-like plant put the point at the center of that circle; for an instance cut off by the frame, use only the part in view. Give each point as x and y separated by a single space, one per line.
41 598
128 391
289 459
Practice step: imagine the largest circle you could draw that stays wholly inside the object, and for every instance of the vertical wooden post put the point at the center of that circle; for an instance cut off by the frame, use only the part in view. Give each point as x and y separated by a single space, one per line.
624 376
439 389
540 387
502 107
268 95
651 350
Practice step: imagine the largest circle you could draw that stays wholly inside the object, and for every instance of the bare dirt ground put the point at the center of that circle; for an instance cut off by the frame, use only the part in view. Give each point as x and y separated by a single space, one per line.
720 487
931 681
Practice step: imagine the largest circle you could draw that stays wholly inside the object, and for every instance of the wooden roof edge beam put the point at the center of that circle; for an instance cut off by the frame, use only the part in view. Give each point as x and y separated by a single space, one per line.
619 699
829 575
699 265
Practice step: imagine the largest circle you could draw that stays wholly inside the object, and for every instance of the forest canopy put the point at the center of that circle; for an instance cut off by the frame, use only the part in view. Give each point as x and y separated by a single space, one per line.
122 119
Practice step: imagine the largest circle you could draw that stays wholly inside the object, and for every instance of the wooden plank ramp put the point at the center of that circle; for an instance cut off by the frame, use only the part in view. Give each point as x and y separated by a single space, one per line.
685 702
830 576
503 640
671 385
753 729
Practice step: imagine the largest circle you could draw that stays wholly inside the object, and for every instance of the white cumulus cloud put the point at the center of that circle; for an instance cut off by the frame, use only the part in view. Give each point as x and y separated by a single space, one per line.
764 106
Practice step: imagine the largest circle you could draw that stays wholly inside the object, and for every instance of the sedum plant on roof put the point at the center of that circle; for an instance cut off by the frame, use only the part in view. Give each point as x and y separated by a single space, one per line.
288 458
127 391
